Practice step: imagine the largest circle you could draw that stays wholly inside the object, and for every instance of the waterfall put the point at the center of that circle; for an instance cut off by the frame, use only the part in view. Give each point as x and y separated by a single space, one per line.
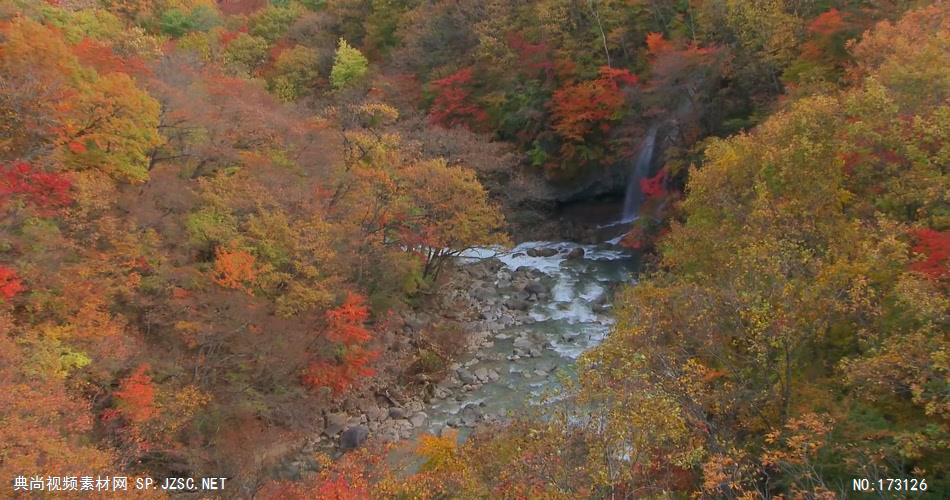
634 197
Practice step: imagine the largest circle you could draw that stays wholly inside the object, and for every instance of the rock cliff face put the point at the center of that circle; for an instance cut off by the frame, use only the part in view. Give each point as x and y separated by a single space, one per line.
612 180
534 204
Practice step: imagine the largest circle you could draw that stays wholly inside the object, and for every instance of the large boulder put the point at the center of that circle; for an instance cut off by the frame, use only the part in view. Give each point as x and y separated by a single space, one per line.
466 376
576 253
517 304
470 415
535 288
354 437
484 294
397 413
419 419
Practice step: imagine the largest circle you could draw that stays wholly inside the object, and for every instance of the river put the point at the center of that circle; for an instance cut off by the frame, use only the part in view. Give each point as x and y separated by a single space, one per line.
516 364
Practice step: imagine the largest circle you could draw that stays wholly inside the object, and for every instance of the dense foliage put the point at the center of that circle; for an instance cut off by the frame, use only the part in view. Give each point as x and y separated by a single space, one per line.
793 335
193 263
210 209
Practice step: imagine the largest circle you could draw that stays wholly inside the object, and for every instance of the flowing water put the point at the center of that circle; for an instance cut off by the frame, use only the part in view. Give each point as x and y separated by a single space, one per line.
522 362
641 170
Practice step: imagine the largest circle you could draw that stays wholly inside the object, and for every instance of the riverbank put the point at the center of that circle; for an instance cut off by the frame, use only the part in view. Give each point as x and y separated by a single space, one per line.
523 316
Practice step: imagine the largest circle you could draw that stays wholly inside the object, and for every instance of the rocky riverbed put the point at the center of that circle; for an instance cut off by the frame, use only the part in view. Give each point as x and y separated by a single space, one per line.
527 314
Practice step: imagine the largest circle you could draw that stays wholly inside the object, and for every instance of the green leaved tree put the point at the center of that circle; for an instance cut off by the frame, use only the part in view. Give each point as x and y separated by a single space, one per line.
349 66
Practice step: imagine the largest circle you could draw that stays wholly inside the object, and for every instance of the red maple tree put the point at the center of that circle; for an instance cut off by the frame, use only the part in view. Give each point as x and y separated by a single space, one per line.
136 396
591 105
43 190
346 329
10 283
934 246
453 104
827 23
654 187
345 324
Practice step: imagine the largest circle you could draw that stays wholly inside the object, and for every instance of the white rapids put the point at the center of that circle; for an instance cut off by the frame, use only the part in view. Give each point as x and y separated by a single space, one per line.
526 360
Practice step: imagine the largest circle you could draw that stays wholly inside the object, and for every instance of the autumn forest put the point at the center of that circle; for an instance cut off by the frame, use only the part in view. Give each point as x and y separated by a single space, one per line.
475 249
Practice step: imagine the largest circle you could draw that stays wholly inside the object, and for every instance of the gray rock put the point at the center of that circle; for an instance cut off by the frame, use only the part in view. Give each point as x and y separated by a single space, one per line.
547 252
484 294
354 437
416 323
576 253
466 376
397 413
366 404
389 436
518 304
524 342
335 423
470 415
546 366
535 287
375 414
601 303
482 374
419 419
